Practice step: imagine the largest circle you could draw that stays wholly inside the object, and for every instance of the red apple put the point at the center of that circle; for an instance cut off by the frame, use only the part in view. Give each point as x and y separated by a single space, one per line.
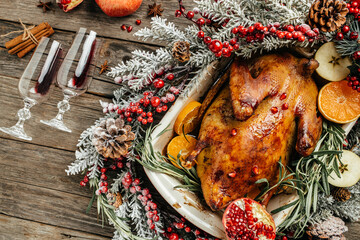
118 8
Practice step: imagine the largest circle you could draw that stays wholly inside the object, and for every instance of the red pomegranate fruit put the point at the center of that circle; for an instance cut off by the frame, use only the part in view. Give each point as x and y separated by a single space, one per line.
247 219
118 8
68 5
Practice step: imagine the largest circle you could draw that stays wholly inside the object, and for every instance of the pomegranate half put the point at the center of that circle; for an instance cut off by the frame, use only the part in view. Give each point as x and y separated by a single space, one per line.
68 5
247 219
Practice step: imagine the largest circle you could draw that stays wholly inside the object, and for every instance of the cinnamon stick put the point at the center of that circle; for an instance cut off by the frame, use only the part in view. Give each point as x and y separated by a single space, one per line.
29 42
18 39
24 51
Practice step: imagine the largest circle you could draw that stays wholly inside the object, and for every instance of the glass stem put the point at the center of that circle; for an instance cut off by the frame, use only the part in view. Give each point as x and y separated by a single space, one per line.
24 114
63 107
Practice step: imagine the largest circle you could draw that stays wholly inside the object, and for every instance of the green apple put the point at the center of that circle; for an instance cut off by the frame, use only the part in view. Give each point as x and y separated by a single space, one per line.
333 67
349 171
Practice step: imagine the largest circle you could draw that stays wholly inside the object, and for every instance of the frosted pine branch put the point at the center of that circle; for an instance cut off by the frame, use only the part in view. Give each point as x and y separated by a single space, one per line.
160 30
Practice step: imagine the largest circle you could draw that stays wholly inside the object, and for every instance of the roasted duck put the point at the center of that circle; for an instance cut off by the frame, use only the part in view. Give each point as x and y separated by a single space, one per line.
252 124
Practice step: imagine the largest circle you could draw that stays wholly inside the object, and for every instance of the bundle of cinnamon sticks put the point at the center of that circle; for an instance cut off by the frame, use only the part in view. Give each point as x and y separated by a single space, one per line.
22 47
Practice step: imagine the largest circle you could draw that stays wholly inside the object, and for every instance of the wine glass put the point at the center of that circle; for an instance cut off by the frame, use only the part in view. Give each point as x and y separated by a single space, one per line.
36 82
74 73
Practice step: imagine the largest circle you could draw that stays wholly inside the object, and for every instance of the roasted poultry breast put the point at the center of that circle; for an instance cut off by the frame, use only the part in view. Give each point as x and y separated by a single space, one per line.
268 107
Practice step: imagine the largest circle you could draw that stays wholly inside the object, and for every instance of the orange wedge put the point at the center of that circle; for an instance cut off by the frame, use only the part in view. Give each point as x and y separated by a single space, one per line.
187 120
180 144
339 103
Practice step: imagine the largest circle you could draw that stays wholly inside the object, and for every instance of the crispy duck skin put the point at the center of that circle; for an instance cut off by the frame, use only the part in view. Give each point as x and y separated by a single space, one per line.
251 125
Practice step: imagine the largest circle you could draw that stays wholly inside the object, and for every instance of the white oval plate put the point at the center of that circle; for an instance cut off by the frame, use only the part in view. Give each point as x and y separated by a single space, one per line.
185 202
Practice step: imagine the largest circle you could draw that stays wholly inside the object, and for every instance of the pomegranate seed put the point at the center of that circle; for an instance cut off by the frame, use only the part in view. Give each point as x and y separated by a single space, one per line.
130 28
274 110
283 96
233 132
232 174
138 22
285 106
123 27
255 170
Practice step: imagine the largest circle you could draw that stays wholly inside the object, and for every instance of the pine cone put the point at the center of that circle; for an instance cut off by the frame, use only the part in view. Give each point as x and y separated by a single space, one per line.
114 199
328 15
181 51
112 138
341 194
330 229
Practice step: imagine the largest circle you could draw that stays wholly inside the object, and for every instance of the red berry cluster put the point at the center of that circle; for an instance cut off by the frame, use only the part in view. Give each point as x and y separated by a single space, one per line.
150 207
103 184
142 109
180 228
256 33
354 77
345 31
354 10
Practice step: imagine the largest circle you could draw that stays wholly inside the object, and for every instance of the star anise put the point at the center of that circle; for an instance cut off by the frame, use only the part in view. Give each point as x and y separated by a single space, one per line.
104 67
44 5
155 10
343 168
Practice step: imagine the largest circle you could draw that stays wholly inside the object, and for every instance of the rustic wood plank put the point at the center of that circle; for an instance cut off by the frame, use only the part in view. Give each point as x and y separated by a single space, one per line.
88 14
47 164
19 229
354 230
85 109
50 207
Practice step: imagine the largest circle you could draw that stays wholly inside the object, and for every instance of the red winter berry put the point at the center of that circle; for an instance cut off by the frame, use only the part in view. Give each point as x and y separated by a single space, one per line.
215 46
310 33
150 120
82 183
354 35
174 236
201 34
190 14
290 28
170 76
187 229
304 28
177 13
235 30
159 83
200 21
86 179
155 101
339 36
207 40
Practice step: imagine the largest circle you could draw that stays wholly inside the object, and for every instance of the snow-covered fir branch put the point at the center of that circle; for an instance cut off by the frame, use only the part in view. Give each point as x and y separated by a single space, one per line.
141 67
161 30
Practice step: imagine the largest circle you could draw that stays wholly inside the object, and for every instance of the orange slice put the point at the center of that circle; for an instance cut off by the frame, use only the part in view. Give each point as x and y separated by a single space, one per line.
339 103
187 120
180 144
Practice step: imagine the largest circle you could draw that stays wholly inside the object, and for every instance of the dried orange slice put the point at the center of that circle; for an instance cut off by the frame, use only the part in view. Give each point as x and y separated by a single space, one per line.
339 103
187 120
180 144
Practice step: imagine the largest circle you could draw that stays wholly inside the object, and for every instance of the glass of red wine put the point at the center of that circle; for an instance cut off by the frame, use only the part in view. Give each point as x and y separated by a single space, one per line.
74 75
36 82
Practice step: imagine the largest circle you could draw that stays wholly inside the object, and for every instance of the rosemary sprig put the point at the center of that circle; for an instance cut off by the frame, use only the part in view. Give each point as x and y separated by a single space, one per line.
104 208
312 173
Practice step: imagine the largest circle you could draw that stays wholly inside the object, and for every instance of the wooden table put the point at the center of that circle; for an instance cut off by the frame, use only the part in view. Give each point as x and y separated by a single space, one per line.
37 199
